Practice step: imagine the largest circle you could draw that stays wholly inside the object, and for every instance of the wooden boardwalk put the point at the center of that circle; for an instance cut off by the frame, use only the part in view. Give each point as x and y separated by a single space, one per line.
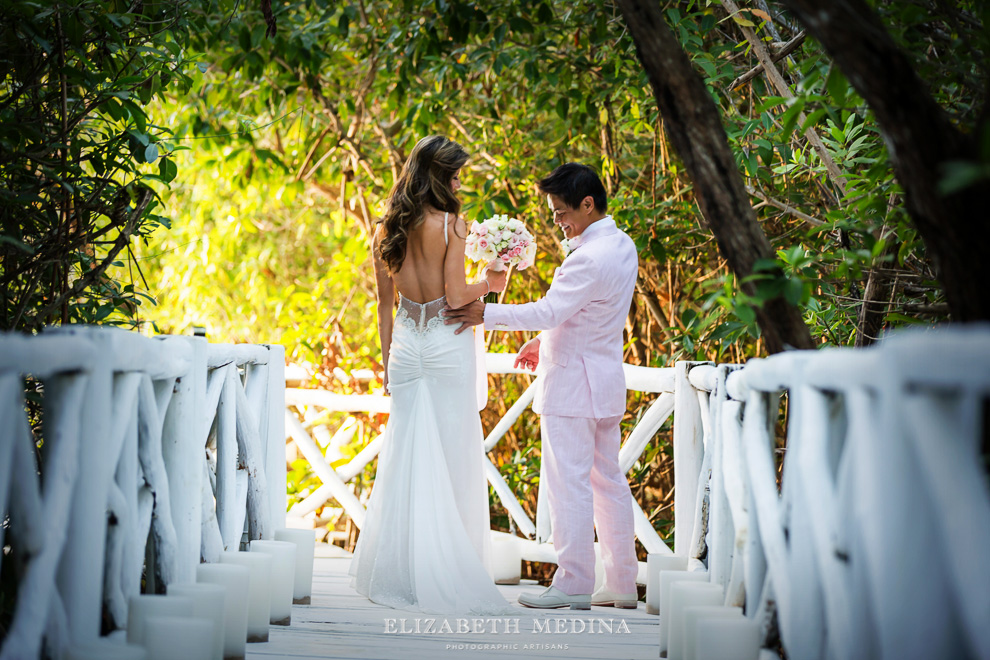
339 623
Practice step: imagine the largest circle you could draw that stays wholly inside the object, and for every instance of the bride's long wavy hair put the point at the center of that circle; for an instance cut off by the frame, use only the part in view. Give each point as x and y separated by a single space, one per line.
425 179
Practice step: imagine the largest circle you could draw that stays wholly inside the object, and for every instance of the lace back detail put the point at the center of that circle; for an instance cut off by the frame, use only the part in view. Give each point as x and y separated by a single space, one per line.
420 317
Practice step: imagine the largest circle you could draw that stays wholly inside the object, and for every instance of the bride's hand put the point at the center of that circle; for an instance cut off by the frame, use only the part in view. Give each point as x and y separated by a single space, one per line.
497 280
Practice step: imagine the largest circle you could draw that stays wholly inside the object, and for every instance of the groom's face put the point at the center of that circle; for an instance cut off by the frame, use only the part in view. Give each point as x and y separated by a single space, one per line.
572 222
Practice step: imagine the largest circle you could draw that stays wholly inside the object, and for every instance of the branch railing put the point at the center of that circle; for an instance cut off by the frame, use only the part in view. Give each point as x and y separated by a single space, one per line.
873 547
136 458
307 405
153 453
875 544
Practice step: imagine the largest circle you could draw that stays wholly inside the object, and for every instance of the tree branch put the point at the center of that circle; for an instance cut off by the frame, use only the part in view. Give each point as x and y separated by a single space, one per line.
784 207
777 80
784 51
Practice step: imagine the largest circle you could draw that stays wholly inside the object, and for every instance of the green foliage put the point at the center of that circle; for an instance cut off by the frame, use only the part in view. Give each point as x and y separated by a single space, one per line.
270 162
82 163
262 261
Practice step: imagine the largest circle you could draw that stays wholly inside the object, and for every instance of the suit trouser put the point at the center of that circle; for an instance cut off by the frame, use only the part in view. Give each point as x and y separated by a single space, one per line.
587 489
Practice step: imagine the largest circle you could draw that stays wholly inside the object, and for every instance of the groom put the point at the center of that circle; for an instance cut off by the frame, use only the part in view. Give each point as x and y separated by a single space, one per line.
583 393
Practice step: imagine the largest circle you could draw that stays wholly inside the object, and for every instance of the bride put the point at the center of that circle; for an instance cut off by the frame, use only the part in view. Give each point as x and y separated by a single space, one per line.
425 543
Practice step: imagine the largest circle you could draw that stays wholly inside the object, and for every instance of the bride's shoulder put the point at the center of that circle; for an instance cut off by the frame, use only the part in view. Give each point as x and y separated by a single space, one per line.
432 217
379 234
436 221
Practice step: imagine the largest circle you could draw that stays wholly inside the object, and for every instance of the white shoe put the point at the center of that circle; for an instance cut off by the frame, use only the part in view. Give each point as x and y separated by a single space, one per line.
554 598
607 598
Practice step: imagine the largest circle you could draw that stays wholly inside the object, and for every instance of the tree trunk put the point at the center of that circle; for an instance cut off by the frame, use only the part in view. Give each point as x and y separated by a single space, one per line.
921 141
694 127
873 311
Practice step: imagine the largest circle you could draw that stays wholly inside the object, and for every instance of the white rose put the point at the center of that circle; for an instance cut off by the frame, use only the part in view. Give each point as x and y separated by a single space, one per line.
528 256
515 225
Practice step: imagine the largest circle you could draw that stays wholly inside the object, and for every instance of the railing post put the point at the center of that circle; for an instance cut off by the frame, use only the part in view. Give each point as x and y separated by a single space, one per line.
183 455
80 578
274 437
688 454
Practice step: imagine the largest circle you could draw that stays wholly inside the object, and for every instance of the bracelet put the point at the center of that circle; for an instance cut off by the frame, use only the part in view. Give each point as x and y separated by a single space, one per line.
489 285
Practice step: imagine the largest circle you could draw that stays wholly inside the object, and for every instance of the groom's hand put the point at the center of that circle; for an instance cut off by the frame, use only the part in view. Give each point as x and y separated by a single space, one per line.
529 355
472 313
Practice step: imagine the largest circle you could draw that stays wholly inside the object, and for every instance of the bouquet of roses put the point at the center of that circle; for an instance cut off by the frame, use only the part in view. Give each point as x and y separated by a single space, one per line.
501 242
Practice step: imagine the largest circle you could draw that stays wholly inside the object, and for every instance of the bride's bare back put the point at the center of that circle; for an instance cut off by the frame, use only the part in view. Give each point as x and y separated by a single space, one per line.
421 278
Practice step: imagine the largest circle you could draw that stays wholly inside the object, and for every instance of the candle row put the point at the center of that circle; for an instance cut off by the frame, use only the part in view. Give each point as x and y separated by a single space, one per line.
694 623
233 602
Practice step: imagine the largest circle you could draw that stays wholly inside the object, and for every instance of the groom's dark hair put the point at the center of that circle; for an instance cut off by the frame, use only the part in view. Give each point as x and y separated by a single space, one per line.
572 182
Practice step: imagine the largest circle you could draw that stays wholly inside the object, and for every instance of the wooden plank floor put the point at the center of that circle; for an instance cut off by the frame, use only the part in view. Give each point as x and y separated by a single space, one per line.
339 623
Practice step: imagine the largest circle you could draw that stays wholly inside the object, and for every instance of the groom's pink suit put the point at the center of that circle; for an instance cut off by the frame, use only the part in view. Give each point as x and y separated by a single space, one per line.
581 402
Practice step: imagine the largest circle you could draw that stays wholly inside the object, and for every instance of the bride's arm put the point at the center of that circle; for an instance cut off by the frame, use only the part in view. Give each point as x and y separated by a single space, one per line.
386 303
456 288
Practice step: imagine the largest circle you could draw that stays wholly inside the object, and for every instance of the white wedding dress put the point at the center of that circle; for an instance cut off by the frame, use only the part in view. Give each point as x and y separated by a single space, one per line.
425 544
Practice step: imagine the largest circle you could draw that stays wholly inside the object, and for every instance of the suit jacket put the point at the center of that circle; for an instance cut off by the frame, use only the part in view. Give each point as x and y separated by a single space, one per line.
582 316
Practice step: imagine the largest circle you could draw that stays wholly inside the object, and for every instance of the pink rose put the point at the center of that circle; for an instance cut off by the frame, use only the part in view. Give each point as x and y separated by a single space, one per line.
482 230
483 243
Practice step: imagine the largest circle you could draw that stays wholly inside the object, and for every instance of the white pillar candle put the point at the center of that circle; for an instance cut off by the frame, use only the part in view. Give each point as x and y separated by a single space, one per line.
682 596
259 566
305 540
729 639
234 580
283 554
140 607
654 564
667 578
105 649
208 605
696 622
506 558
178 638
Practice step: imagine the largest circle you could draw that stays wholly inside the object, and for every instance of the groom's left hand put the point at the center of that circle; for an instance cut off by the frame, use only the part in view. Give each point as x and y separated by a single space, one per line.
472 313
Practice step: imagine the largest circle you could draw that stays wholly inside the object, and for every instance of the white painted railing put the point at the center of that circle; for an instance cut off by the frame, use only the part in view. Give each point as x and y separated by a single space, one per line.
307 405
877 544
875 548
127 425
